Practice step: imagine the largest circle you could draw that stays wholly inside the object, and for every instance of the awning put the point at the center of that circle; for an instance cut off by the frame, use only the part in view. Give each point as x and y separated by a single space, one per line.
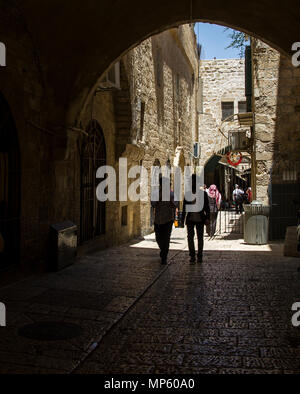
246 119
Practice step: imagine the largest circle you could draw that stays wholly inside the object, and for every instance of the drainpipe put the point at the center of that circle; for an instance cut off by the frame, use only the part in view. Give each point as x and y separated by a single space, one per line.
249 88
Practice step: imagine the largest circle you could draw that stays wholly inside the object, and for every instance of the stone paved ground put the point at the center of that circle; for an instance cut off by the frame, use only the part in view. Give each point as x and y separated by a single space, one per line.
94 293
230 315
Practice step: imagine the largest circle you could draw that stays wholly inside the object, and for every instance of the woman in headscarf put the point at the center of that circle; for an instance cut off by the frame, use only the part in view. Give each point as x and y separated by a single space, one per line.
215 200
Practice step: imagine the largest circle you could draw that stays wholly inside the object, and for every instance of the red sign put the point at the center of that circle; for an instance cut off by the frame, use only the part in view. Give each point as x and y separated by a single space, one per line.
234 158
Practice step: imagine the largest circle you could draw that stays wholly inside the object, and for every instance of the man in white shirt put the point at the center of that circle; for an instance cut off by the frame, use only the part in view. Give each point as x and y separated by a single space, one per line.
238 198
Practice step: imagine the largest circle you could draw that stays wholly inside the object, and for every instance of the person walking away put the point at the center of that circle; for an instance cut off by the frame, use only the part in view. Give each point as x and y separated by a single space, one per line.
238 198
198 220
215 201
164 216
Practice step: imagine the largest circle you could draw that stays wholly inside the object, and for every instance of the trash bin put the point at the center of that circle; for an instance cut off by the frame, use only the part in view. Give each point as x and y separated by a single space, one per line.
256 223
63 245
291 248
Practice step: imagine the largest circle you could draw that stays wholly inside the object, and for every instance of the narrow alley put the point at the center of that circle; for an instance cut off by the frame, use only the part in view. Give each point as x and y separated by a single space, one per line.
130 132
231 314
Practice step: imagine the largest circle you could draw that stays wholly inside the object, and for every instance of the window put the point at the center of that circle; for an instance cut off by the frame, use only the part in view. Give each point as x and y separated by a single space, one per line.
242 107
124 216
227 109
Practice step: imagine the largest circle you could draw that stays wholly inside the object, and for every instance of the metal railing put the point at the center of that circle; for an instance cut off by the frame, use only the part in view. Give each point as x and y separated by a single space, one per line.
229 222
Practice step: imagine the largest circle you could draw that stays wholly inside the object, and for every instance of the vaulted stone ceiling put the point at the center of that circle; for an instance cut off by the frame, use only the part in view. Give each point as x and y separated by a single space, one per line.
77 40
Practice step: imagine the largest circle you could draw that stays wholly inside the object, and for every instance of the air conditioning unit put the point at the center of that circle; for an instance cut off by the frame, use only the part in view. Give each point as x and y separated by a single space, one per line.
239 141
111 79
197 150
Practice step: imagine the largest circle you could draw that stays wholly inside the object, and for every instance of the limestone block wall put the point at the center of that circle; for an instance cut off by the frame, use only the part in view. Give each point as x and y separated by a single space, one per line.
151 119
23 88
110 109
162 74
223 80
277 113
152 114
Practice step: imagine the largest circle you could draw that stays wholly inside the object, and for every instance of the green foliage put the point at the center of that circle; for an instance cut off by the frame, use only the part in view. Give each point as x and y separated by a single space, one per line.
238 41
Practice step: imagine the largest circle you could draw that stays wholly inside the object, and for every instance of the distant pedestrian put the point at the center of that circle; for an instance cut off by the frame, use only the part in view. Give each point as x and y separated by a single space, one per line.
198 220
165 212
215 201
238 198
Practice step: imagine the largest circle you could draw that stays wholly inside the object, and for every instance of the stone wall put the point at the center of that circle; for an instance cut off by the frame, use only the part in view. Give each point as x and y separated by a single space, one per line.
23 88
163 72
223 80
151 118
159 76
277 114
48 89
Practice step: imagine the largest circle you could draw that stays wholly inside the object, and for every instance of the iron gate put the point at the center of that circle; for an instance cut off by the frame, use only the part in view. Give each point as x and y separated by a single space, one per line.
93 156
230 222
285 198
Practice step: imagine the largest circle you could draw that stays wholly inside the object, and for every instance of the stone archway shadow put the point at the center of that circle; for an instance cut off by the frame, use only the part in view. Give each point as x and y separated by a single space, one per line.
111 28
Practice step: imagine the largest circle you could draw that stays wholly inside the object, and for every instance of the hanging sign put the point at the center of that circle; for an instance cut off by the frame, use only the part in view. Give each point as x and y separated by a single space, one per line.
234 158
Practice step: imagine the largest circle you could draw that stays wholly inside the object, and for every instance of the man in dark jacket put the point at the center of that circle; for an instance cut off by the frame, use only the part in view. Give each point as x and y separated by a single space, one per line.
198 220
164 219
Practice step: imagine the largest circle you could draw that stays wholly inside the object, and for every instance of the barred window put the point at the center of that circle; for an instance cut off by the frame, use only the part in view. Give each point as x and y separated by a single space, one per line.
227 109
242 107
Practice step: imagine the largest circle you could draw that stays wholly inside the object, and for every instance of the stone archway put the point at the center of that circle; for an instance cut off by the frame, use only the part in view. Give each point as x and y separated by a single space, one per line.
85 54
211 171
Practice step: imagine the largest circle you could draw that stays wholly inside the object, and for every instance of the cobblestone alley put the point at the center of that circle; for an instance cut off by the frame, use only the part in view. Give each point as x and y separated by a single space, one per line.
232 314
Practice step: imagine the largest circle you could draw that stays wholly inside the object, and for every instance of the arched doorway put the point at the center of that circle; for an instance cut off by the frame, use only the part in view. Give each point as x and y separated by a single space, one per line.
93 156
9 188
212 172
